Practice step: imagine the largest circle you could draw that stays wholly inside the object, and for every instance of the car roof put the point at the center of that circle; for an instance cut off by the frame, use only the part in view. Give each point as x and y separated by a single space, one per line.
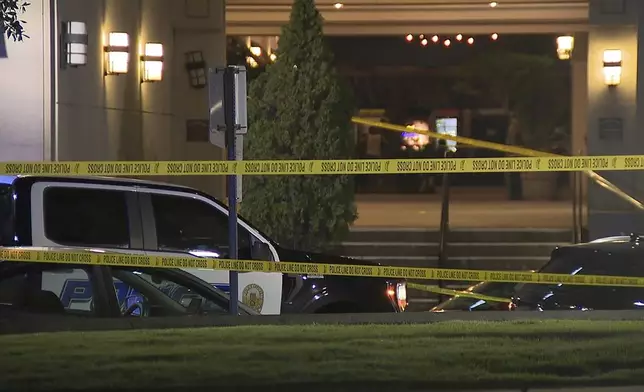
98 180
619 243
7 180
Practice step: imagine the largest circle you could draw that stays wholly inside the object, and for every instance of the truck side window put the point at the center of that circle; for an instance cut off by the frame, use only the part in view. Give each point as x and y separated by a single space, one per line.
186 224
58 290
82 217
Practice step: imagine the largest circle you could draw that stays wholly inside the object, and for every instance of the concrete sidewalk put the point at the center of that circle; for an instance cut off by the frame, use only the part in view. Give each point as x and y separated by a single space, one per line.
469 208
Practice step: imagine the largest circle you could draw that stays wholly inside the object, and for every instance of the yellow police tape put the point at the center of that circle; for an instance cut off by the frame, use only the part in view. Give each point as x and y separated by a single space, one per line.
133 260
329 167
456 293
516 150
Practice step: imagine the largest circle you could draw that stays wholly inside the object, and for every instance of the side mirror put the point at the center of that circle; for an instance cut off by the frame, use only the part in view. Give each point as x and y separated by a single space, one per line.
194 306
260 251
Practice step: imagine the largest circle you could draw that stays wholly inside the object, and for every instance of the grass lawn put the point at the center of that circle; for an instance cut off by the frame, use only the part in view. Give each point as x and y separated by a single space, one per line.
332 358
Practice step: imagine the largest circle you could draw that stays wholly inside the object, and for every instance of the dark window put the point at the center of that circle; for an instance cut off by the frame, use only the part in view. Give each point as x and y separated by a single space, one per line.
86 217
6 215
185 224
154 293
492 289
47 289
580 297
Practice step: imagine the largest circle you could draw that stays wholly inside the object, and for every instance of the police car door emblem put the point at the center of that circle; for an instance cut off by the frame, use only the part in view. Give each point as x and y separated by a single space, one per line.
253 296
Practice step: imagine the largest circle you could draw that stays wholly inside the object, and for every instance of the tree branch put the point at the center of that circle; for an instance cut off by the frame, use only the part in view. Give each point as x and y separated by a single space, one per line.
12 25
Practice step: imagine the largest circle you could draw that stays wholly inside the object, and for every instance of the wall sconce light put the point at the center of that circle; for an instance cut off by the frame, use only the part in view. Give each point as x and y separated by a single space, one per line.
612 67
196 67
565 45
117 54
152 62
74 44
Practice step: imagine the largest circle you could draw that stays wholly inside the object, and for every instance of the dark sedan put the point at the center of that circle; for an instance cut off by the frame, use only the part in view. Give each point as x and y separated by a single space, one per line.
89 291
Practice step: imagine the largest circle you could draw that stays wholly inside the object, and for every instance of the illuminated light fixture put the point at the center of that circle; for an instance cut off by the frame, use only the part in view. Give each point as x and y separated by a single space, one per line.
422 36
273 57
612 67
565 45
117 54
152 62
424 42
415 141
256 50
447 42
435 39
409 37
74 44
338 6
495 36
493 4
470 40
459 37
252 62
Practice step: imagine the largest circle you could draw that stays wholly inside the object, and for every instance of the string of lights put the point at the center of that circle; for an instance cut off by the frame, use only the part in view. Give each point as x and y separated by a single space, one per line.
446 40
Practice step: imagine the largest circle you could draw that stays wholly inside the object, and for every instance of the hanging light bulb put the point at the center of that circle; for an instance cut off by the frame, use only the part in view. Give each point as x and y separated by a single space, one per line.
495 36
422 36
447 42
435 39
424 42
409 37
470 40
459 37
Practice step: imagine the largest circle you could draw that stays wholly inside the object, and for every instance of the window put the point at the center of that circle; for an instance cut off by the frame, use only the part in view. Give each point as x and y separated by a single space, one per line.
155 293
555 296
73 288
6 215
86 217
492 289
185 224
53 290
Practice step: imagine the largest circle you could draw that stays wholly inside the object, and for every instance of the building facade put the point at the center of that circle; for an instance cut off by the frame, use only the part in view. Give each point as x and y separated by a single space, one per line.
607 117
55 111
50 111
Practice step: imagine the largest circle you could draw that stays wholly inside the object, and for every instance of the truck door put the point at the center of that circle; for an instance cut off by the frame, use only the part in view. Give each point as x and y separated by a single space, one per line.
181 224
84 216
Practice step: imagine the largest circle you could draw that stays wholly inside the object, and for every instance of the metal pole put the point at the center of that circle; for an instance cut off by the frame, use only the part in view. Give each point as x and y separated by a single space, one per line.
229 115
575 216
54 61
444 225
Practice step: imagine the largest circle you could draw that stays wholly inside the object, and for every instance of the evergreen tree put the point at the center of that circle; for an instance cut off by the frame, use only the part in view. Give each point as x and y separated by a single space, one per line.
300 109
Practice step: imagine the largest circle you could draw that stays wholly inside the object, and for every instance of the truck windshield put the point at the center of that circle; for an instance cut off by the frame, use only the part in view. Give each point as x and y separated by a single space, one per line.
6 213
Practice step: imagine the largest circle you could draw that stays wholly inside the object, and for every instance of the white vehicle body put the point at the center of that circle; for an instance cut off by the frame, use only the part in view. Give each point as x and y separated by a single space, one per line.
261 291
